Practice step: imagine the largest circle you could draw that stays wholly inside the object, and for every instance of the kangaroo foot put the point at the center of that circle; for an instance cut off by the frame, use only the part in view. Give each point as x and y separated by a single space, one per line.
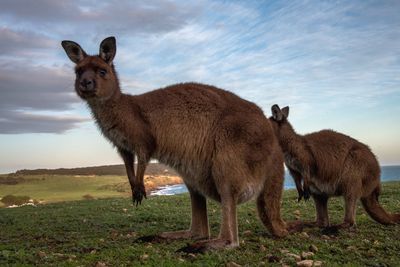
207 245
294 226
279 229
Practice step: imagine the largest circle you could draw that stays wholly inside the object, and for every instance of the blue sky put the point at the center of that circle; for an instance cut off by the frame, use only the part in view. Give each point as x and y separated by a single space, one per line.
335 63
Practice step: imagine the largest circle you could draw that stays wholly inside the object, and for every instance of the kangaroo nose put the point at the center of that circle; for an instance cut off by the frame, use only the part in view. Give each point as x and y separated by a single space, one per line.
87 85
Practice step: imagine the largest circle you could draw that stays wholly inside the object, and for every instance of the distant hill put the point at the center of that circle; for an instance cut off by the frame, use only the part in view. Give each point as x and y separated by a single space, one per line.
152 169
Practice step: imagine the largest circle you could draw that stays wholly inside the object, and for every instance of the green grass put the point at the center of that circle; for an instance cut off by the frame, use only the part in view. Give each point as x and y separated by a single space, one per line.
91 231
55 188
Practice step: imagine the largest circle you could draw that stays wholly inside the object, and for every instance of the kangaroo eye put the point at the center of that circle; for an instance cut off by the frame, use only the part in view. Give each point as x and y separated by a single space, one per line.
79 72
102 72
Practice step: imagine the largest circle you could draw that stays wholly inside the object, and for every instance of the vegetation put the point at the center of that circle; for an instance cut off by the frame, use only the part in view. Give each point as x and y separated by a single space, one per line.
117 170
56 188
104 233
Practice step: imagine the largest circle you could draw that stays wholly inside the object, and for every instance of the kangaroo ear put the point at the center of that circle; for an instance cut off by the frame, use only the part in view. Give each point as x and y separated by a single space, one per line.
285 112
276 112
74 51
108 48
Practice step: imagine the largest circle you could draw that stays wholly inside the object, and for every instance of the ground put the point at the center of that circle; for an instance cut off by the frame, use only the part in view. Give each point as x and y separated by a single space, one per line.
104 232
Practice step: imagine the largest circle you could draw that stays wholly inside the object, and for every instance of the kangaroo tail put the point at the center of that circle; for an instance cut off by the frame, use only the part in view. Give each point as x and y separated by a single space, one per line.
376 211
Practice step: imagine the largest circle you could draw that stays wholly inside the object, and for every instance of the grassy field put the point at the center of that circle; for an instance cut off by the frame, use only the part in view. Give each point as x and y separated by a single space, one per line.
103 233
56 188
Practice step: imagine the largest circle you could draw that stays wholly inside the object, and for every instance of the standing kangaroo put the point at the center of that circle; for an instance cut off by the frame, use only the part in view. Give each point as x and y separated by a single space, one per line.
332 164
222 145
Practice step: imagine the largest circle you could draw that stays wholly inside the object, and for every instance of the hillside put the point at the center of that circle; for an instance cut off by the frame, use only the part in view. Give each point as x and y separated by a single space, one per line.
152 169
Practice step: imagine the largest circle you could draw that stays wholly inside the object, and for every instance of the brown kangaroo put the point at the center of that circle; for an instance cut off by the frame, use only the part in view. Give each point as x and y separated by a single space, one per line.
223 146
332 164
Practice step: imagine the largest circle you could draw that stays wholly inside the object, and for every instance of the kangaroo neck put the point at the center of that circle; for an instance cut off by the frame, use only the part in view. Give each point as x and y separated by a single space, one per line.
106 111
290 141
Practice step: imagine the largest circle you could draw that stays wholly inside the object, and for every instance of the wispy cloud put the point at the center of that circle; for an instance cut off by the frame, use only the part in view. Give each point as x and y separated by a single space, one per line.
303 54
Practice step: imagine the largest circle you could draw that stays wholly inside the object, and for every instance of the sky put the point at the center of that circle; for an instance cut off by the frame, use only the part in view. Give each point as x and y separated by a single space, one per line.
335 63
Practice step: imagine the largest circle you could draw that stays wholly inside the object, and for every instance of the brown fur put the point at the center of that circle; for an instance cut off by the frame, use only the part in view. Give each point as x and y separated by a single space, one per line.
222 145
332 164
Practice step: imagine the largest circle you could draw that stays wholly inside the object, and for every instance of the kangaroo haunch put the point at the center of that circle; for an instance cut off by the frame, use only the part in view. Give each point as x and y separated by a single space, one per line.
223 146
332 164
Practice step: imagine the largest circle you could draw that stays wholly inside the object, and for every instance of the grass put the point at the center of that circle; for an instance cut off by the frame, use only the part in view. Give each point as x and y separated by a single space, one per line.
55 188
104 231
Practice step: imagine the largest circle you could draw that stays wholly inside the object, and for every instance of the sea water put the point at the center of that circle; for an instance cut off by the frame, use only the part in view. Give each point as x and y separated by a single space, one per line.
388 173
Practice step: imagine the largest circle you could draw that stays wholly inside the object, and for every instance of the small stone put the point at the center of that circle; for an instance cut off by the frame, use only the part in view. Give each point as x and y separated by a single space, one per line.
351 248
263 248
41 254
93 251
192 256
247 232
144 257
101 240
307 255
304 235
305 263
284 251
124 210
101 264
317 263
313 248
295 256
232 264
262 263
297 212
325 237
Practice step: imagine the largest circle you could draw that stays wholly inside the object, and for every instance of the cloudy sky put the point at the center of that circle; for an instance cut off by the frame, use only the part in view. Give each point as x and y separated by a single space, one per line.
336 64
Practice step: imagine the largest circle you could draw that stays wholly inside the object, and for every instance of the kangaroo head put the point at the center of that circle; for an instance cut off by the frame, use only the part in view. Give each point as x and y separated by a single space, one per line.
279 119
96 77
278 114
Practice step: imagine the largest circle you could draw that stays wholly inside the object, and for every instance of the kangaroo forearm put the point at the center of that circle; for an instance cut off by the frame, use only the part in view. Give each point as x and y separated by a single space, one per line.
129 161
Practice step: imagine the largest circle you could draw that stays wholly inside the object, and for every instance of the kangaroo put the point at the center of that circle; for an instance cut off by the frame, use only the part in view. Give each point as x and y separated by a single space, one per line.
332 164
223 146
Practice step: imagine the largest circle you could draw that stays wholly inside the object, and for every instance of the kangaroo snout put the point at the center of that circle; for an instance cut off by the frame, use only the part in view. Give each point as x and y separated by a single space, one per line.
87 85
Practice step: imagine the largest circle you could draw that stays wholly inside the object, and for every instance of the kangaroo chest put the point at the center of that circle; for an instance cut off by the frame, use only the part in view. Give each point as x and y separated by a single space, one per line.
293 163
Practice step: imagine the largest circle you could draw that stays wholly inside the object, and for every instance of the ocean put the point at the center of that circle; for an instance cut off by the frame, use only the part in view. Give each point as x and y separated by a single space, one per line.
388 173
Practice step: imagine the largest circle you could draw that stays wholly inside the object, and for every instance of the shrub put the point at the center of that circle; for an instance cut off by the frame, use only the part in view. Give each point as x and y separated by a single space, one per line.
88 196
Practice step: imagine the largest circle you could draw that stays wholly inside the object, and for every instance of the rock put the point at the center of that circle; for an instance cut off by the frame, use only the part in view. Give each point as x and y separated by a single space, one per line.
313 248
317 263
295 256
351 248
191 255
304 235
263 248
284 251
325 237
101 264
305 263
247 232
297 212
144 257
232 264
307 255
